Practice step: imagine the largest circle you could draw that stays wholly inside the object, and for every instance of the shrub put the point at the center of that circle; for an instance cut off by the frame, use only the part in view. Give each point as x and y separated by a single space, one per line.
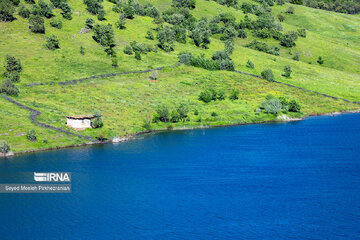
30 1
101 14
281 17
267 75
89 23
320 60
149 35
229 33
296 56
8 87
93 6
154 75
288 39
229 47
294 106
214 114
250 64
226 64
272 105
182 110
220 95
302 32
290 10
56 23
183 3
13 68
36 24
45 9
7 10
31 135
114 62
97 121
82 50
128 50
234 95
220 55
120 24
280 2
206 96
4 147
180 34
201 34
163 113
52 42
196 112
287 71
24 12
263 47
137 55
242 33
147 122
284 104
166 38
104 34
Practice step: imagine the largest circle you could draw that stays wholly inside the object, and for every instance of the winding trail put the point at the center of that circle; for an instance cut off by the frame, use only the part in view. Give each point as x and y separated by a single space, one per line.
36 113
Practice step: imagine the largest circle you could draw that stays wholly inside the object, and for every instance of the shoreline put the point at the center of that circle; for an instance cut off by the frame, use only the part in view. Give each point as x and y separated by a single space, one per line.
133 136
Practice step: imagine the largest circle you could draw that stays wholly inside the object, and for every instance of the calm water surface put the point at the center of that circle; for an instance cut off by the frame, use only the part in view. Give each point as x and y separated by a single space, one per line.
298 180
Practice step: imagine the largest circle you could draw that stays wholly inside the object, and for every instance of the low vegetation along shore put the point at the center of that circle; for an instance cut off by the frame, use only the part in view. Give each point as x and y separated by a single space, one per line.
169 64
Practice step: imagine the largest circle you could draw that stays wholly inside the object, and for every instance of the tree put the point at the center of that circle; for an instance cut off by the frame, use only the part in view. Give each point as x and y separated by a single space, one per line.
4 147
163 113
229 33
36 24
7 10
229 47
129 10
104 34
56 23
8 87
128 50
23 11
234 95
183 110
31 135
288 39
296 56
137 55
180 34
287 71
166 38
294 106
242 33
13 68
290 10
52 42
93 6
89 23
149 35
96 122
220 55
272 105
101 14
183 3
120 24
250 64
320 60
267 75
114 62
281 17
66 11
45 9
206 96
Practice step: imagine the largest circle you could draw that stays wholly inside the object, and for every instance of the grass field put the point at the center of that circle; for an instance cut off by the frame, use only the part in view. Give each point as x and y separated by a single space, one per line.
125 101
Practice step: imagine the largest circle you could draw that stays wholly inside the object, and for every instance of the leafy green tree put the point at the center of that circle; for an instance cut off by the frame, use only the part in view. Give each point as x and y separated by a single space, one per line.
288 39
89 23
8 87
287 71
30 1
45 9
183 110
163 113
272 105
296 56
281 17
52 42
280 2
294 106
56 23
229 47
149 35
201 34
120 24
13 68
128 50
129 10
250 64
104 34
66 10
7 10
242 33
290 10
180 34
184 3
36 24
229 33
220 55
23 11
227 64
97 122
101 14
234 95
93 6
267 75
31 135
4 147
57 3
166 38
137 55
206 96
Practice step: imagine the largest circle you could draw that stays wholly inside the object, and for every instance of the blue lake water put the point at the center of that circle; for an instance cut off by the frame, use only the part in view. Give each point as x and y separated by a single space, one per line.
298 180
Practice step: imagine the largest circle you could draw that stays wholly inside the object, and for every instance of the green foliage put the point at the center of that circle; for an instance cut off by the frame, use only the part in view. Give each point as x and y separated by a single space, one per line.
272 106
294 106
343 6
320 60
120 24
93 6
4 147
101 14
209 64
8 87
23 11
166 38
182 110
82 50
280 2
149 35
162 113
296 56
250 64
89 23
220 55
104 34
214 114
201 34
288 39
57 3
31 135
229 47
137 55
267 75
180 34
97 121
36 24
52 42
211 94
281 17
234 94
287 71
30 1
114 62
242 33
263 47
184 3
56 23
229 33
7 10
13 68
290 10
128 50
147 122
45 9
128 10
302 32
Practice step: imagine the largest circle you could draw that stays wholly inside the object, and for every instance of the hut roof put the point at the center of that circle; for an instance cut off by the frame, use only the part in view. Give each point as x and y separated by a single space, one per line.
81 116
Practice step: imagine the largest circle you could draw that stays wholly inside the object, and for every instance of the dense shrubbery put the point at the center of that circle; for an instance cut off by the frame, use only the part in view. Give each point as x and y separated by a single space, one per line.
288 39
209 64
166 38
7 10
263 47
165 114
211 94
120 24
97 121
56 23
104 34
23 11
36 24
13 68
52 42
275 105
287 71
343 6
184 3
8 87
201 34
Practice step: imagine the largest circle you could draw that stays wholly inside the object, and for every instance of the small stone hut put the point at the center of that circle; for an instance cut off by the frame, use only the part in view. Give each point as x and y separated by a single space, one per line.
79 122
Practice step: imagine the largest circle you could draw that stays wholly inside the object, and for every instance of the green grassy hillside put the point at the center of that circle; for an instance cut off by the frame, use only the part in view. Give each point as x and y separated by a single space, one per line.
126 101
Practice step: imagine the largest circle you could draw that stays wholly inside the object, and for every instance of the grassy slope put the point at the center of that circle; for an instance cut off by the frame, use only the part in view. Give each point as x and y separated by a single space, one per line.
126 100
